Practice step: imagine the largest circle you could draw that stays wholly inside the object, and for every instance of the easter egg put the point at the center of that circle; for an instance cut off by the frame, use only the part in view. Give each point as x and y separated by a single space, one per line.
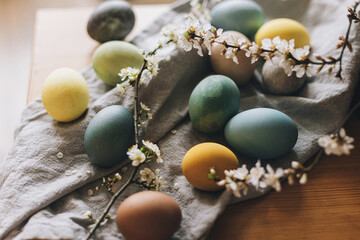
109 135
148 215
199 159
241 16
276 81
242 72
110 57
65 95
213 102
261 133
111 20
286 29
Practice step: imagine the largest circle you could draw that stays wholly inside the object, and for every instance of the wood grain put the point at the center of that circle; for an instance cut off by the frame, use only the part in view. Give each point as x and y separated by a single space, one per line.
61 40
328 207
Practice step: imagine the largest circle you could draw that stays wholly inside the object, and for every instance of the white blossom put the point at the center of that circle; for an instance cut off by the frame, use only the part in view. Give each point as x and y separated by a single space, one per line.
146 76
144 107
267 44
189 35
152 64
272 178
159 182
129 74
253 51
120 88
236 187
221 183
198 11
88 214
255 176
136 156
301 69
303 178
337 145
295 165
283 48
153 148
241 173
209 35
118 176
170 32
301 53
147 175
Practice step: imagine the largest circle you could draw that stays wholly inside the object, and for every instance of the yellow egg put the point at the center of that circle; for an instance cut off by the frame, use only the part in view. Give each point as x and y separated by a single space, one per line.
200 158
286 29
239 73
65 95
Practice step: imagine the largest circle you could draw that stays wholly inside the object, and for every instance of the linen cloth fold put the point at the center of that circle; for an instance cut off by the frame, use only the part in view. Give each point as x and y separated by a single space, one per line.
43 196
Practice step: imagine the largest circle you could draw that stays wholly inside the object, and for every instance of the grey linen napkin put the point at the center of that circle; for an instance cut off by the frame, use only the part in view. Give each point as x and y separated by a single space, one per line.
38 200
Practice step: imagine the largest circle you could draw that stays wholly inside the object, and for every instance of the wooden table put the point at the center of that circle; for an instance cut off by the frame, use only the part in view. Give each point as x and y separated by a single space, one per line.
328 207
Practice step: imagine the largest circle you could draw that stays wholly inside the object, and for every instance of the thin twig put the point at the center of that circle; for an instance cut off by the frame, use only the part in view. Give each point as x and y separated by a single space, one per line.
136 102
111 202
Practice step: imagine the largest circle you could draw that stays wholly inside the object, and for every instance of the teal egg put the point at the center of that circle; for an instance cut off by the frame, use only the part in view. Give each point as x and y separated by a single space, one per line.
262 133
109 135
213 102
242 16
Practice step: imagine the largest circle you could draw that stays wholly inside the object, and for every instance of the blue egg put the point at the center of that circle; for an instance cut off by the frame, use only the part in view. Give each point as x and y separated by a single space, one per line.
262 133
109 135
242 16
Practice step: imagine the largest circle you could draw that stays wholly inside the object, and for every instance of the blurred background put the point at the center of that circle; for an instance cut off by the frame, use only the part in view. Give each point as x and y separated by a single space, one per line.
17 19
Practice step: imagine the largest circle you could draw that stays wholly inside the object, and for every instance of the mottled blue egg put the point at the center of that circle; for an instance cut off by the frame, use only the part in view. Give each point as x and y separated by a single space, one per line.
242 16
262 133
108 136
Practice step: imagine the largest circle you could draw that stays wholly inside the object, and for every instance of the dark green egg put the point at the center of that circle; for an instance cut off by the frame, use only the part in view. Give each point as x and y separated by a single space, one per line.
109 135
213 102
111 20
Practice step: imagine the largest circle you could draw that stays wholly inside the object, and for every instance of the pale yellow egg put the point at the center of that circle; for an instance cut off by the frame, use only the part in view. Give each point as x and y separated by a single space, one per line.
65 95
286 29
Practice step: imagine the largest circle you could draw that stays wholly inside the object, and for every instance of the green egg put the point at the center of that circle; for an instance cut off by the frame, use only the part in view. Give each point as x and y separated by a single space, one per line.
262 133
213 102
109 135
110 57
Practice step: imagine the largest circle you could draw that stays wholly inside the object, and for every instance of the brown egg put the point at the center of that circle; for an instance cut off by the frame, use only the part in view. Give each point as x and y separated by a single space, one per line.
240 73
148 215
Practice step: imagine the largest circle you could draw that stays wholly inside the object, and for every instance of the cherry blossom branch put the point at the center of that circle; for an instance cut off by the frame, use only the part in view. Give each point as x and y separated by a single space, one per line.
239 180
110 204
142 152
194 35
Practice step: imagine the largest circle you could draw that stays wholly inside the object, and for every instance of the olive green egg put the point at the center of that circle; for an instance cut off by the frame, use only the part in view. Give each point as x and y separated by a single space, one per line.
110 57
213 102
262 133
109 135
